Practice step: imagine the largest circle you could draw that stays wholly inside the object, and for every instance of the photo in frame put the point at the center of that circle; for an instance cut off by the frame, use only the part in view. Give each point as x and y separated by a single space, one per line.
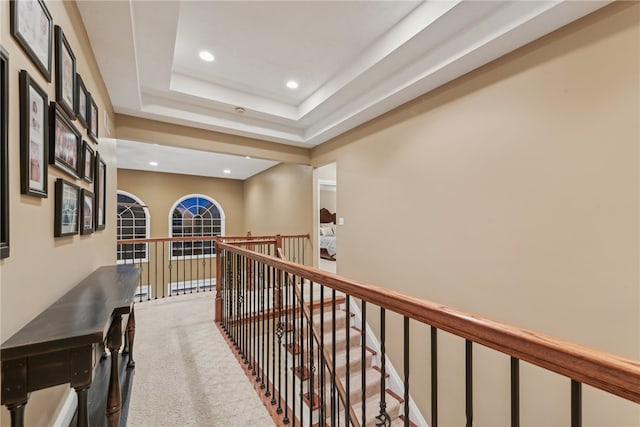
34 140
82 102
67 209
99 189
31 26
65 74
4 153
88 162
65 142
93 120
86 212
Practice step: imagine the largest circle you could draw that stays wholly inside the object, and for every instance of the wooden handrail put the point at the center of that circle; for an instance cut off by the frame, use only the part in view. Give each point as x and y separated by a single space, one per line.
612 373
229 239
342 393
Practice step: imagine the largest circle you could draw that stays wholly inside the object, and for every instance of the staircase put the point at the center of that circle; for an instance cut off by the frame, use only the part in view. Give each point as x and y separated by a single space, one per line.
341 343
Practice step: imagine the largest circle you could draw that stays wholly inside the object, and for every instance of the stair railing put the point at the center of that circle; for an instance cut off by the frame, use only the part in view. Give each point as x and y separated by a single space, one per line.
324 356
611 373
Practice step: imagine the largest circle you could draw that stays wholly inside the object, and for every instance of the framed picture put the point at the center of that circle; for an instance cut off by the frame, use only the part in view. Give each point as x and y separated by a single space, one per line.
67 213
65 74
82 102
99 188
33 137
93 120
88 162
65 142
31 26
4 153
86 212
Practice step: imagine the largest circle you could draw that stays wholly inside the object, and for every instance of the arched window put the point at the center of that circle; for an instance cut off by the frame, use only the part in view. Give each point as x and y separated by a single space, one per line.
195 215
133 223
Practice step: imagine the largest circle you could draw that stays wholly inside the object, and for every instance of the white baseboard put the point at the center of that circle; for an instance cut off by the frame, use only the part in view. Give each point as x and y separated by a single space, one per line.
67 410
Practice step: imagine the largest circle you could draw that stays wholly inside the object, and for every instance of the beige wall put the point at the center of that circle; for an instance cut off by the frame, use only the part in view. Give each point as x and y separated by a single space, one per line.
328 200
279 201
42 268
512 192
160 191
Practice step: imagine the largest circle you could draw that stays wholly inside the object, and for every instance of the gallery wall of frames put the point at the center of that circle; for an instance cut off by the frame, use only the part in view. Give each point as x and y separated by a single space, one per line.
61 133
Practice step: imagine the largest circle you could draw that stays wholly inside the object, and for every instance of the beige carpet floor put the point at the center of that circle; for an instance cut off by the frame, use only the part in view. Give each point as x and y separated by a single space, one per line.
185 374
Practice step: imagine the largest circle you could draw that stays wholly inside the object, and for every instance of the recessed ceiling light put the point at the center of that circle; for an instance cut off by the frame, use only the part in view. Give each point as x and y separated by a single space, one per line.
292 84
227 171
205 55
240 110
153 163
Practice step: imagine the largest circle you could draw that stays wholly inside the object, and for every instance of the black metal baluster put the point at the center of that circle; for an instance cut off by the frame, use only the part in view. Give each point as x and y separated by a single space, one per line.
184 272
262 332
280 332
287 306
515 392
273 336
155 266
383 416
234 294
312 369
163 269
301 347
193 249
347 327
254 317
267 392
334 412
469 382
363 366
243 290
264 297
294 322
322 362
434 377
406 371
576 404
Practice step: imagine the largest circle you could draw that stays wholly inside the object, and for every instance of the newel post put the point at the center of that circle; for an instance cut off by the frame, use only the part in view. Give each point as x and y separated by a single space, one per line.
218 307
278 243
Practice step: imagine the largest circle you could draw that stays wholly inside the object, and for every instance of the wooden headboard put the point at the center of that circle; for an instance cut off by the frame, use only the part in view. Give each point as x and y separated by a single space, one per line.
326 216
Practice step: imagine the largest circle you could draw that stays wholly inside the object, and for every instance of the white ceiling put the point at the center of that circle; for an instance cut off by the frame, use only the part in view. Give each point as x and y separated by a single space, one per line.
354 60
137 155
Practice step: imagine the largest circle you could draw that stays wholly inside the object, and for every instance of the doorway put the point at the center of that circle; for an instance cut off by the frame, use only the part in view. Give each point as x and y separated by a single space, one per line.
327 256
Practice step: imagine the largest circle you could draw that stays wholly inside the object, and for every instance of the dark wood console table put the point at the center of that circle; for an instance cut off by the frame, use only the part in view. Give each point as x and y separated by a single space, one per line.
62 344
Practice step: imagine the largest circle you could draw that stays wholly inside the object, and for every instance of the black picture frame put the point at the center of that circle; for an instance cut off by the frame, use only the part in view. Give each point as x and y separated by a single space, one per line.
87 217
65 142
4 153
32 28
88 162
65 74
67 209
82 102
100 193
34 134
93 120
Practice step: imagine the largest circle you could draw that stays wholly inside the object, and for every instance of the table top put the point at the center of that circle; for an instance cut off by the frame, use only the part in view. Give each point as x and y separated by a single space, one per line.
81 316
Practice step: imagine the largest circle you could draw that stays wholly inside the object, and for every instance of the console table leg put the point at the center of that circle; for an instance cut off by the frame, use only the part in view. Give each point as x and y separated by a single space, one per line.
131 333
17 414
83 411
114 342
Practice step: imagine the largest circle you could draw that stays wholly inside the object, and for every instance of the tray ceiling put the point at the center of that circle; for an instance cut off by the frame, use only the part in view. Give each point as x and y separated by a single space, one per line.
353 60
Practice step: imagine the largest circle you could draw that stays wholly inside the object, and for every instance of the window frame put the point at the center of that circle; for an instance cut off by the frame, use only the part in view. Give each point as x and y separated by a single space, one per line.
147 228
223 221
